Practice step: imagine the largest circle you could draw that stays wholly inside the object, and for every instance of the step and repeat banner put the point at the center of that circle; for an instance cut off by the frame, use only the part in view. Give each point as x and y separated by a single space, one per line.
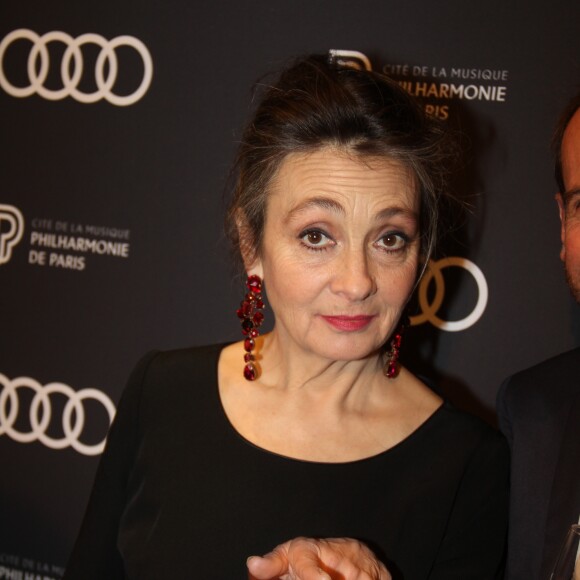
119 122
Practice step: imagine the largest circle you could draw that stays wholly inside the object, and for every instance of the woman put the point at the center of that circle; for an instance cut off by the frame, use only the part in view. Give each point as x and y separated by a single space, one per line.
311 430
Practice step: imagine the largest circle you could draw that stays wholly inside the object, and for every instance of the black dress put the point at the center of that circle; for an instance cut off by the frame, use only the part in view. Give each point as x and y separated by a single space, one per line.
180 494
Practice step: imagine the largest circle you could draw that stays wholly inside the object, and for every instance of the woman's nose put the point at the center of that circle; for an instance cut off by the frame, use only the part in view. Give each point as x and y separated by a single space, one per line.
353 277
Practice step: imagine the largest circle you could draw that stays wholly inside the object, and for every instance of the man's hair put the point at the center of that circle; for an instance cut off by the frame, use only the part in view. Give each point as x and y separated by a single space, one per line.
571 108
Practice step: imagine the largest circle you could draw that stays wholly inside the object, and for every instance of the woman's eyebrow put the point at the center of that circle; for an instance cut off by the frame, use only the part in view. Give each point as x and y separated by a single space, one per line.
390 212
316 202
336 207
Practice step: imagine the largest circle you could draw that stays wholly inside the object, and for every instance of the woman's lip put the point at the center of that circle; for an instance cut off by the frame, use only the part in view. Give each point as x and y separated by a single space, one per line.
349 323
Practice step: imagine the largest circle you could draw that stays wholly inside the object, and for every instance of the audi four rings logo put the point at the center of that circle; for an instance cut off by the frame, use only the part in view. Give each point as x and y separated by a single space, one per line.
10 237
71 67
429 309
40 413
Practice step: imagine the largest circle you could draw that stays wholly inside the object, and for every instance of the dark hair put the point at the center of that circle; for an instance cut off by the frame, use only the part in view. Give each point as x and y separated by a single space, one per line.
318 102
565 118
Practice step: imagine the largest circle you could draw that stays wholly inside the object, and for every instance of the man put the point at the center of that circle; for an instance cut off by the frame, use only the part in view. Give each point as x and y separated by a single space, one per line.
539 408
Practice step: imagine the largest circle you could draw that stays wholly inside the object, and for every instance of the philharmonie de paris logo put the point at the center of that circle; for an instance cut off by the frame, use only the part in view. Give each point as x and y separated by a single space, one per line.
11 231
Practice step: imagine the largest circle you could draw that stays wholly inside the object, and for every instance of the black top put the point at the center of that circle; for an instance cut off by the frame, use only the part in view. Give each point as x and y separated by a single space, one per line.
180 494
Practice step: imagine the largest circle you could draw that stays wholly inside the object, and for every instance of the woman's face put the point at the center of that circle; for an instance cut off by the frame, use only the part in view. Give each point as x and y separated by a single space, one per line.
340 251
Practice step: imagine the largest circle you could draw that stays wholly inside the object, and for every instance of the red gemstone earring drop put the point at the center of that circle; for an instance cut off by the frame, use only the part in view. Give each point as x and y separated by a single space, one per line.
392 366
251 319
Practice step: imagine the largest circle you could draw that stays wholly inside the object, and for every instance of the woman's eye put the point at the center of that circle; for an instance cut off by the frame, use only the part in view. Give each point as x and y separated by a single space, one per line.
393 242
315 239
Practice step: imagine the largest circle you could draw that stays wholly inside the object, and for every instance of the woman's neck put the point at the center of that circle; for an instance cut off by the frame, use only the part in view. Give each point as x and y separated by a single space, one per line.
285 366
305 407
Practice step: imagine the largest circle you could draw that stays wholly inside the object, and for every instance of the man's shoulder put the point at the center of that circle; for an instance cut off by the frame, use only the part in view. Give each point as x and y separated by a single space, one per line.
552 378
550 368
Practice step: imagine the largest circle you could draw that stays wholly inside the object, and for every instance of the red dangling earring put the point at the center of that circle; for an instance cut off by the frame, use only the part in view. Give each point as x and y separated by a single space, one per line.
251 318
392 366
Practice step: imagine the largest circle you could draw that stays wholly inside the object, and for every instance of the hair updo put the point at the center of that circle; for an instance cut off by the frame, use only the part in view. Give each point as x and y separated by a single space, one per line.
316 103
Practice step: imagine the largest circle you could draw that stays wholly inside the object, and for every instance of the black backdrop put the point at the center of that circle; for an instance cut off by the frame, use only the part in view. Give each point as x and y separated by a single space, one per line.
124 204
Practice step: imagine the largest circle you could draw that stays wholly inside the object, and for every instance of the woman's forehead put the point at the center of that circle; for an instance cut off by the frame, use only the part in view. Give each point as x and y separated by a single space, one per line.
341 177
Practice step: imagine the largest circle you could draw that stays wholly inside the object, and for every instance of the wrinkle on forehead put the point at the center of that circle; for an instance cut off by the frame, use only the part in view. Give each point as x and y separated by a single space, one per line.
321 177
335 207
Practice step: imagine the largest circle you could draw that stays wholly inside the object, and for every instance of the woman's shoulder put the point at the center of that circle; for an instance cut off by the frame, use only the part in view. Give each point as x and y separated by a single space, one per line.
163 373
469 433
181 362
444 418
452 419
166 383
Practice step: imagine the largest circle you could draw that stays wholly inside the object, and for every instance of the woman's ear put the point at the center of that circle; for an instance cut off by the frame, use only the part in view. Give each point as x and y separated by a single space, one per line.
254 268
248 250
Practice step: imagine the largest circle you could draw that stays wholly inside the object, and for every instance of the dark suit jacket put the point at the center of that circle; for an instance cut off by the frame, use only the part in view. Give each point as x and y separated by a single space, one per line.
539 413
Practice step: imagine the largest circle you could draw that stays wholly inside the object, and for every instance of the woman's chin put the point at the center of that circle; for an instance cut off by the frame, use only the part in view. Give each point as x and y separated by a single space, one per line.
343 349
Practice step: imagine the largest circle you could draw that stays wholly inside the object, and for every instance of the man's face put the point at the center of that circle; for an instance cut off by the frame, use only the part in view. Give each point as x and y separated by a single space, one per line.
569 204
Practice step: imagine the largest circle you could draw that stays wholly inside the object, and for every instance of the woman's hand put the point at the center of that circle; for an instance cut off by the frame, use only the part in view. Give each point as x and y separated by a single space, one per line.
309 559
